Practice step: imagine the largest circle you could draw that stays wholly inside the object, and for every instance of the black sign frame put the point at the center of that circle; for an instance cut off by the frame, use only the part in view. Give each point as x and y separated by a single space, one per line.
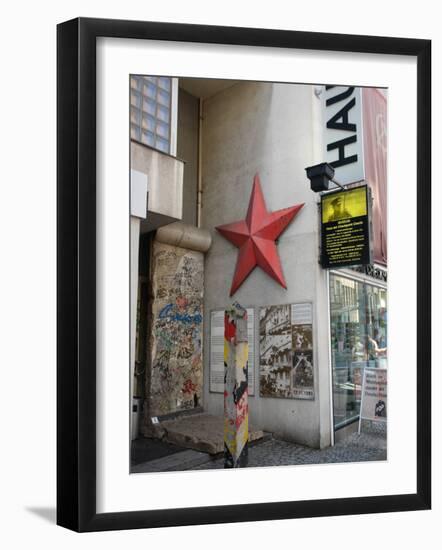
367 256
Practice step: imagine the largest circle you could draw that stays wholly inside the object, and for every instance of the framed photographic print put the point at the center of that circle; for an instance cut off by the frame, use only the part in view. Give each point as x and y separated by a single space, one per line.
243 274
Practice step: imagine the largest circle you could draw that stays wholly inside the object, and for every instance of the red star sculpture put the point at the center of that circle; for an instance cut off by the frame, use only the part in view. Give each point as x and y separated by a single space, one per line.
255 237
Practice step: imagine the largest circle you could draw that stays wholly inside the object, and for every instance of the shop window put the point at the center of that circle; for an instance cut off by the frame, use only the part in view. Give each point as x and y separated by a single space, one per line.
358 323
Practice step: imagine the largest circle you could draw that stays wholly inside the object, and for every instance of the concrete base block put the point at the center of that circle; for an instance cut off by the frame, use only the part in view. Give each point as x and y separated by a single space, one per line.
154 431
201 432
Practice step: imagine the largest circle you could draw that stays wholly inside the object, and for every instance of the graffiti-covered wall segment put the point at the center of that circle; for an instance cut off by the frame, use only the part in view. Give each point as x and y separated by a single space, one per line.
176 373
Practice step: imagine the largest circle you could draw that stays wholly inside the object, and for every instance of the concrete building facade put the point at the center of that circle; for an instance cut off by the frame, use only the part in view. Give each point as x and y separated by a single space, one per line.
229 131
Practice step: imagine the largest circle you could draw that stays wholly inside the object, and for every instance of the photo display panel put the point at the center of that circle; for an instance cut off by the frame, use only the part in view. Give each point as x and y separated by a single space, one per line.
286 351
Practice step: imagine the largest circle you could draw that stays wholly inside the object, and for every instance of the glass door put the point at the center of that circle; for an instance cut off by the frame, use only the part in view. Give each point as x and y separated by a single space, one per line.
348 335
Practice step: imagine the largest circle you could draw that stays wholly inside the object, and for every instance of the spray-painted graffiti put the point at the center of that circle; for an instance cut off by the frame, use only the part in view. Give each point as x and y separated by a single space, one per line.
171 313
189 387
176 337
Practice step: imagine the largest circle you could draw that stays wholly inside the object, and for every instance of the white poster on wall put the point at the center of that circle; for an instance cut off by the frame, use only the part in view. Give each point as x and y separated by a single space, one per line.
217 350
342 132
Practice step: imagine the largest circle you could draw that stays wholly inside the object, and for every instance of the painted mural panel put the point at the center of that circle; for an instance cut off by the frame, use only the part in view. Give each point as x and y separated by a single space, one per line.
286 351
177 324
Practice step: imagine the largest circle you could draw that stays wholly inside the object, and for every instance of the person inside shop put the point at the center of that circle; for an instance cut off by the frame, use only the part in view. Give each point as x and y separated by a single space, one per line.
358 350
374 351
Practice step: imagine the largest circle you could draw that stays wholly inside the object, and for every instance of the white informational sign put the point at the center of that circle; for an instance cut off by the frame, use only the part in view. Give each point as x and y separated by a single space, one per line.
251 356
342 132
217 351
302 314
138 194
374 395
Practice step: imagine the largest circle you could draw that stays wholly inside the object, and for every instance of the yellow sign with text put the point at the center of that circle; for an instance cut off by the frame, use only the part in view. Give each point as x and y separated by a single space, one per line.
345 228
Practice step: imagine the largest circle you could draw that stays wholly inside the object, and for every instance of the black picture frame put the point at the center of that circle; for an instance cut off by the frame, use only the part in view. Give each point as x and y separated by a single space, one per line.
76 274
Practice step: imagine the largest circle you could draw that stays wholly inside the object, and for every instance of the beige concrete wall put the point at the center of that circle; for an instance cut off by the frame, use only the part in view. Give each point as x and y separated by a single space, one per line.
270 129
165 184
187 150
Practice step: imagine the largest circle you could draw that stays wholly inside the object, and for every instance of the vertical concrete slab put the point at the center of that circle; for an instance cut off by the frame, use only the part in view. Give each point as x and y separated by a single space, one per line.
187 150
176 373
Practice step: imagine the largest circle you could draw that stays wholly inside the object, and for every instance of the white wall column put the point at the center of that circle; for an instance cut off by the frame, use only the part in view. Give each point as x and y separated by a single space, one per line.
138 211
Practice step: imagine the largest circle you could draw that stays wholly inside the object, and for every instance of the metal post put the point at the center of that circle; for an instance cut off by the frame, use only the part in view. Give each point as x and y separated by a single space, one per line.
236 408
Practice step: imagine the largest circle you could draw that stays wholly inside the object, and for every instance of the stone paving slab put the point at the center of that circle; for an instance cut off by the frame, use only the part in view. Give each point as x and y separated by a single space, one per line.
184 460
201 432
145 450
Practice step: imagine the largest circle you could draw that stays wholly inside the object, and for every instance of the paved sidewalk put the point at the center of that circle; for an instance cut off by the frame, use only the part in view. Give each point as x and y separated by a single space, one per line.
147 450
356 448
177 462
371 445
